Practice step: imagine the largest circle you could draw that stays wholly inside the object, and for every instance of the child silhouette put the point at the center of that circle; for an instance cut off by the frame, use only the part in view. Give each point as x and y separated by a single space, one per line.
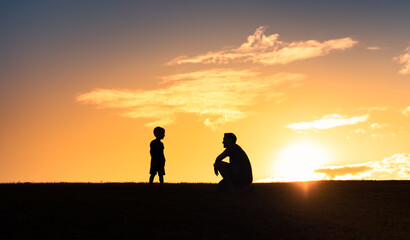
157 155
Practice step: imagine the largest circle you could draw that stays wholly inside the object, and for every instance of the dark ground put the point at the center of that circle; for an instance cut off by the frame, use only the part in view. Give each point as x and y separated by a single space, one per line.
318 210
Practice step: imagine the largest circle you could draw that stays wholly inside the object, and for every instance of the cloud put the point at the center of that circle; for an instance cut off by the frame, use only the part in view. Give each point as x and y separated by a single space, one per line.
359 131
269 50
395 167
406 111
329 121
332 172
378 125
377 108
404 59
373 48
216 96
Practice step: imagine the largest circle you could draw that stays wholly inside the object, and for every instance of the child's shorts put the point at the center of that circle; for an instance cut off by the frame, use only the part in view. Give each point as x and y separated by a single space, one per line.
157 168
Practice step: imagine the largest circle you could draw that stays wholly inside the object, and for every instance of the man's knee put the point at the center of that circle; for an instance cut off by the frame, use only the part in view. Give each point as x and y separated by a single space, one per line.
221 165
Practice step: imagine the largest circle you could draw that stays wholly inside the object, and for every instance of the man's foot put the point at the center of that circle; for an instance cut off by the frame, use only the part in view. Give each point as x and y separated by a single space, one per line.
222 186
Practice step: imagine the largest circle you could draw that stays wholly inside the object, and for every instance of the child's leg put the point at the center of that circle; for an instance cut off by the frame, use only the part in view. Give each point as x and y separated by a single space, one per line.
161 178
151 178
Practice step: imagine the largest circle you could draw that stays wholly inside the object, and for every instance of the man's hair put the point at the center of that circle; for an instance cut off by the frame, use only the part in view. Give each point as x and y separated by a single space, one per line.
158 130
231 136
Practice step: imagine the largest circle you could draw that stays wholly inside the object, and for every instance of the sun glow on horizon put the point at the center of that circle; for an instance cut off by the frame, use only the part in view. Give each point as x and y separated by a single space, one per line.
298 161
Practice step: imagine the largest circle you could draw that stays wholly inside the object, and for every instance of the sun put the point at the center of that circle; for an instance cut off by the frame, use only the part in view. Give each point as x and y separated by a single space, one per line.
298 161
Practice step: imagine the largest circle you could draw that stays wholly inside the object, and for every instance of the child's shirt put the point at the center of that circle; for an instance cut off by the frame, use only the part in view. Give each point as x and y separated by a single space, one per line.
157 151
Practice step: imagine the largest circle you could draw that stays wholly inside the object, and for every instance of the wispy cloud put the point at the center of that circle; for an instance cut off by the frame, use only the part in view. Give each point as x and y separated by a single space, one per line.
406 111
216 96
404 59
378 125
396 167
373 48
269 50
386 122
328 121
377 108
360 130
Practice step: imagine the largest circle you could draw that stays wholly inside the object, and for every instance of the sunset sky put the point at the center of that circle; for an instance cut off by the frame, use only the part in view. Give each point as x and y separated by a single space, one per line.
312 89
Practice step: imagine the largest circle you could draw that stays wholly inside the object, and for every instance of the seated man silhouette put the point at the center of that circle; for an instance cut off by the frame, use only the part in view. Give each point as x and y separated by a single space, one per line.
237 174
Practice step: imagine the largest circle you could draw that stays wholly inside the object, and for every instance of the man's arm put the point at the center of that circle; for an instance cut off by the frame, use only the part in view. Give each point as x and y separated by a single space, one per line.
221 156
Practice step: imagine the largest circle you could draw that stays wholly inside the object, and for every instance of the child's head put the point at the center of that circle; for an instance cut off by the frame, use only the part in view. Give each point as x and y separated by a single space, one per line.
159 132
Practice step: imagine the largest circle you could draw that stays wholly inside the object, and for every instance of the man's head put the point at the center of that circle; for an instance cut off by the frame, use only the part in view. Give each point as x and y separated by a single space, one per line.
229 140
159 132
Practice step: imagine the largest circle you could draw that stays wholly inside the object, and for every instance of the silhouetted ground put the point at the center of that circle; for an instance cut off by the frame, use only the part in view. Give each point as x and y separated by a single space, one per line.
318 210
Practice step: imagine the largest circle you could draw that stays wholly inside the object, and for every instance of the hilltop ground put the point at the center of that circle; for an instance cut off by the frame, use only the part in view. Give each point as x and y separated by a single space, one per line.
317 210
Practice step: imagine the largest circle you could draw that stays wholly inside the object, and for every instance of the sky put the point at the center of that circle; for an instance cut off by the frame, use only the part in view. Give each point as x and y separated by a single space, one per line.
313 90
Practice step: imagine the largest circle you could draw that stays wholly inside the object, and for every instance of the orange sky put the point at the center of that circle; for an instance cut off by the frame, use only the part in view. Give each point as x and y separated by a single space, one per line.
84 84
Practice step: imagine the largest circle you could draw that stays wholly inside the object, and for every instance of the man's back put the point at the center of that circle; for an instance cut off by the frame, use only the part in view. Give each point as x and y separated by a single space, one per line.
240 163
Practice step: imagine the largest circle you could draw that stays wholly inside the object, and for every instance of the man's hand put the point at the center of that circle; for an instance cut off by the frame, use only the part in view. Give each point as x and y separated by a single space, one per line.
215 170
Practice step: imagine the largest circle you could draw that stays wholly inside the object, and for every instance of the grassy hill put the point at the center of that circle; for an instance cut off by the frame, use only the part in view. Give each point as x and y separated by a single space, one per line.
317 210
